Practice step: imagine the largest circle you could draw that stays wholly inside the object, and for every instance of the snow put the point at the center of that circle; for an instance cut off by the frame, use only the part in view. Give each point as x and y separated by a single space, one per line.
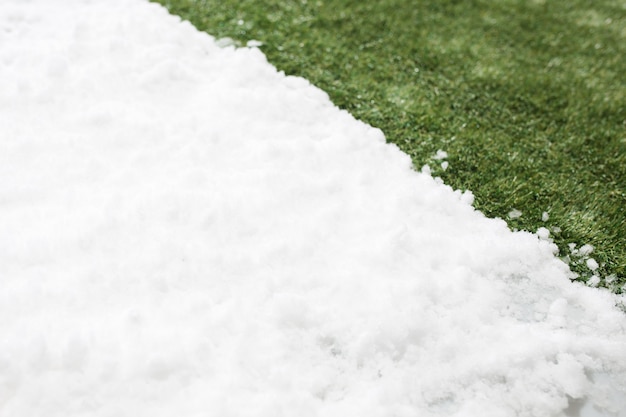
543 233
585 250
515 214
592 264
593 281
186 231
254 43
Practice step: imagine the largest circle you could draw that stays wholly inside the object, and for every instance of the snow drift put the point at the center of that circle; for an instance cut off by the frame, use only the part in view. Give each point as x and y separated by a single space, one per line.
186 231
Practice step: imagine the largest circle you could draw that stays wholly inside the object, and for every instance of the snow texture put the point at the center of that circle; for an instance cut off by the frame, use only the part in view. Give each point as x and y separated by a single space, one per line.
186 231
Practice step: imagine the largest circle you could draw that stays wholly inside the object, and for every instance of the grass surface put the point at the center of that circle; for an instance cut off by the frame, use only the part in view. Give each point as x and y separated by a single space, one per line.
527 97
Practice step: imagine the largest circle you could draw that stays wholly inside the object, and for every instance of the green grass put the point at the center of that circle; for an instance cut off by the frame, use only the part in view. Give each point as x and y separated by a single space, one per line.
527 97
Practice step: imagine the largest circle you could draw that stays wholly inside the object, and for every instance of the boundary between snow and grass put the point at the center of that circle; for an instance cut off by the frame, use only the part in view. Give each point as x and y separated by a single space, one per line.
525 97
155 252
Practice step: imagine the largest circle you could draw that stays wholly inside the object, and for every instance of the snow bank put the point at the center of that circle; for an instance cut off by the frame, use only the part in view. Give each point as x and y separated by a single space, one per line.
186 231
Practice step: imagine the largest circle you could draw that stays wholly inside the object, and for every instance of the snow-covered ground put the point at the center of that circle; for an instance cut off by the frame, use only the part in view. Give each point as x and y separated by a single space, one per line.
185 231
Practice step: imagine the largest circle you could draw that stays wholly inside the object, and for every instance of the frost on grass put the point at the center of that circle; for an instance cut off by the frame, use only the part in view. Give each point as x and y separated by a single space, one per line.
186 231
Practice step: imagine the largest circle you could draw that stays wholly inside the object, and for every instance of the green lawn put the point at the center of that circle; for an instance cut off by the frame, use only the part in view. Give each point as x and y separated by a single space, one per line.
528 98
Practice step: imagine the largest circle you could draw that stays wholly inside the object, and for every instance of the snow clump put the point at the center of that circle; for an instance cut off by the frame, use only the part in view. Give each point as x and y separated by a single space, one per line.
514 214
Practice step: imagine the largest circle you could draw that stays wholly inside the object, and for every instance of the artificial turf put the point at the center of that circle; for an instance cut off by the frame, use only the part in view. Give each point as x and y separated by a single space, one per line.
528 98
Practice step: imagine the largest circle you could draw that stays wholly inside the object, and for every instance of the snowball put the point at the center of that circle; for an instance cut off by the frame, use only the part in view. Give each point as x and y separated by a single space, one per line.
515 214
444 165
543 233
545 216
440 155
585 250
592 264
254 43
593 281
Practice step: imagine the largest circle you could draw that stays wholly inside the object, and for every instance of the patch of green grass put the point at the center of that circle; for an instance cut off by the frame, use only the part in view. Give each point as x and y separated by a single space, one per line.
527 97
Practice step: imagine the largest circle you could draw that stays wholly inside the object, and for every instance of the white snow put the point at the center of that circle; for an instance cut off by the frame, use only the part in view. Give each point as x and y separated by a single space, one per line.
593 281
585 250
543 233
254 43
186 231
592 264
515 214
